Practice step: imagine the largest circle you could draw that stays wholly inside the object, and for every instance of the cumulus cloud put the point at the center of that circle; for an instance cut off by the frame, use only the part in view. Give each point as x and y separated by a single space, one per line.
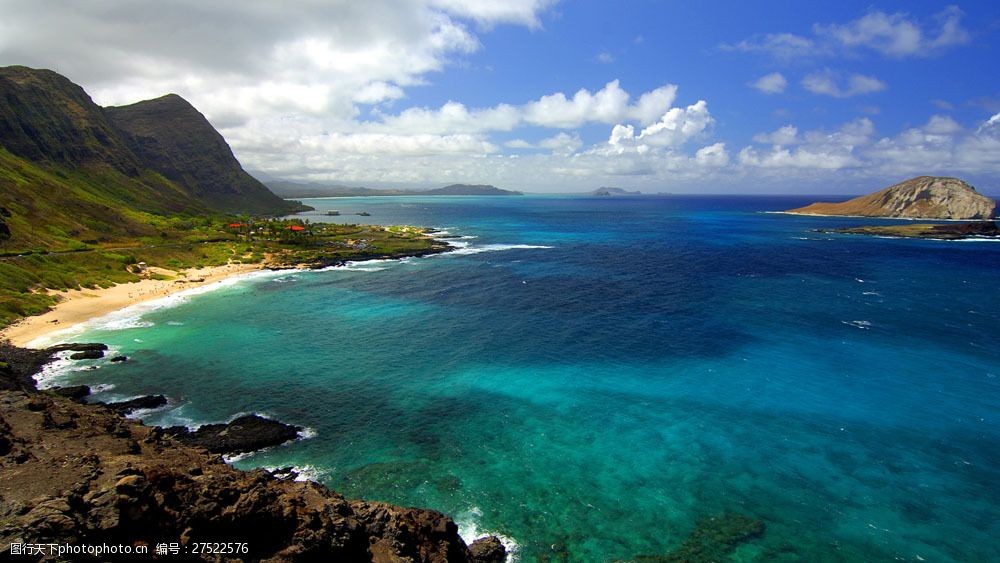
940 146
562 143
675 127
774 83
607 105
898 35
787 135
323 58
828 83
895 35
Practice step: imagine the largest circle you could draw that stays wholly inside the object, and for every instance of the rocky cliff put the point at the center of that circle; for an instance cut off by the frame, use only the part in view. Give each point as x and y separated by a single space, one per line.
45 117
173 138
929 197
159 156
82 474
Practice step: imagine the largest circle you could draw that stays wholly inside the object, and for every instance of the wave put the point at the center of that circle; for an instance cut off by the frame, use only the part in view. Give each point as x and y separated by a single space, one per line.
57 372
863 325
495 248
131 317
468 528
302 472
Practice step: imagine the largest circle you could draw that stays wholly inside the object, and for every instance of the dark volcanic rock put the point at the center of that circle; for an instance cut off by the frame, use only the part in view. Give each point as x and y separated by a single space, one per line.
488 550
244 434
145 402
117 359
19 365
73 473
977 229
87 355
75 392
76 347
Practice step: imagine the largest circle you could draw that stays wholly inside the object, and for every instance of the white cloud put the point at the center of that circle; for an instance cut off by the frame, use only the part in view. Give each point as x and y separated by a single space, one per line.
896 35
942 125
604 58
940 146
774 83
562 143
713 156
608 105
518 144
321 58
787 135
778 45
675 127
827 83
490 12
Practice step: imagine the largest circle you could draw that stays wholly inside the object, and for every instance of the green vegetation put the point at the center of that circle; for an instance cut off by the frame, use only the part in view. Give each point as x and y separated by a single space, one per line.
27 276
89 194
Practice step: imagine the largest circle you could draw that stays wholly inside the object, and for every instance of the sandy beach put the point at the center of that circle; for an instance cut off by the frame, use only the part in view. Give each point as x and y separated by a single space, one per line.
80 305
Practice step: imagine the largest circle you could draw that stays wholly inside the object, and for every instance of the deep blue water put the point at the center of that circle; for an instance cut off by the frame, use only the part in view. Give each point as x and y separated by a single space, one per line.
591 376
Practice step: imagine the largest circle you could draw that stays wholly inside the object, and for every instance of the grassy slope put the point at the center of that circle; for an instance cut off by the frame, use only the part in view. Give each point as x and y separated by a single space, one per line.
84 227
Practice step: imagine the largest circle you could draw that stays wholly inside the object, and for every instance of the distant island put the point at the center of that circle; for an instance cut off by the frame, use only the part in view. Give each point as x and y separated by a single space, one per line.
610 192
290 189
923 197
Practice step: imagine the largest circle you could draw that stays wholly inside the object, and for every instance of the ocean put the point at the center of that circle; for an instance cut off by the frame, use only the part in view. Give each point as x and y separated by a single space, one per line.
594 378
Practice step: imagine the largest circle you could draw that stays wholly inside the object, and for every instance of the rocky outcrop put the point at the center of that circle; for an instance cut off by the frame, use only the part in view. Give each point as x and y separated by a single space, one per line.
929 197
83 474
145 402
947 231
244 434
78 474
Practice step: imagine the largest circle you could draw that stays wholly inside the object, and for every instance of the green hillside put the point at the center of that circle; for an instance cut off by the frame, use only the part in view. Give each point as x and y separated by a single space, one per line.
86 192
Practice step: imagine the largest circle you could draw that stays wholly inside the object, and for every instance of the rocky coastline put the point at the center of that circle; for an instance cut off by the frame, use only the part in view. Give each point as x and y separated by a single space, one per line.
947 231
75 473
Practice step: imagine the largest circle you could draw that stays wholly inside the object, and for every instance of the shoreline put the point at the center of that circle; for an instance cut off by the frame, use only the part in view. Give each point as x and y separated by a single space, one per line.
879 217
78 306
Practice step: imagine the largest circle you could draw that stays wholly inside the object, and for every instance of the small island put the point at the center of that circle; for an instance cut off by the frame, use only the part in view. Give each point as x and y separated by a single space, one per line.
611 192
923 197
289 189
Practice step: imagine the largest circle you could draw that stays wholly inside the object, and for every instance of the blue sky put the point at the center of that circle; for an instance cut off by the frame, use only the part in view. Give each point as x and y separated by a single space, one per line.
538 95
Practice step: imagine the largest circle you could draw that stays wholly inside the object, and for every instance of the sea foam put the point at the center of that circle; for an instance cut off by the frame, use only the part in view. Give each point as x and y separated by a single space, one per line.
468 528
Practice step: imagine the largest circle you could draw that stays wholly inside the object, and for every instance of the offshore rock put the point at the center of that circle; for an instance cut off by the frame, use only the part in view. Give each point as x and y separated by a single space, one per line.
76 473
929 197
488 550
146 402
244 434
107 479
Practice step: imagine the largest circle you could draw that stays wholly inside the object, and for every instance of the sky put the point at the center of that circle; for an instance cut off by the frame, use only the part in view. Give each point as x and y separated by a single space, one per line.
553 96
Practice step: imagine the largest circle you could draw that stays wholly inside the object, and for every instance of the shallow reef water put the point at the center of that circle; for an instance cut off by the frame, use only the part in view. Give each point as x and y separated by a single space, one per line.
601 379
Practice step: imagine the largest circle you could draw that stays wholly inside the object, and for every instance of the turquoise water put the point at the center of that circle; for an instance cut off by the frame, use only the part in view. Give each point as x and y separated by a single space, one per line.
590 377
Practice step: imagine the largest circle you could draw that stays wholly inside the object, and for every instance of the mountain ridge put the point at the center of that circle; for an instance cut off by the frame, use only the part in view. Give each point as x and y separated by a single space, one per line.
173 138
289 188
